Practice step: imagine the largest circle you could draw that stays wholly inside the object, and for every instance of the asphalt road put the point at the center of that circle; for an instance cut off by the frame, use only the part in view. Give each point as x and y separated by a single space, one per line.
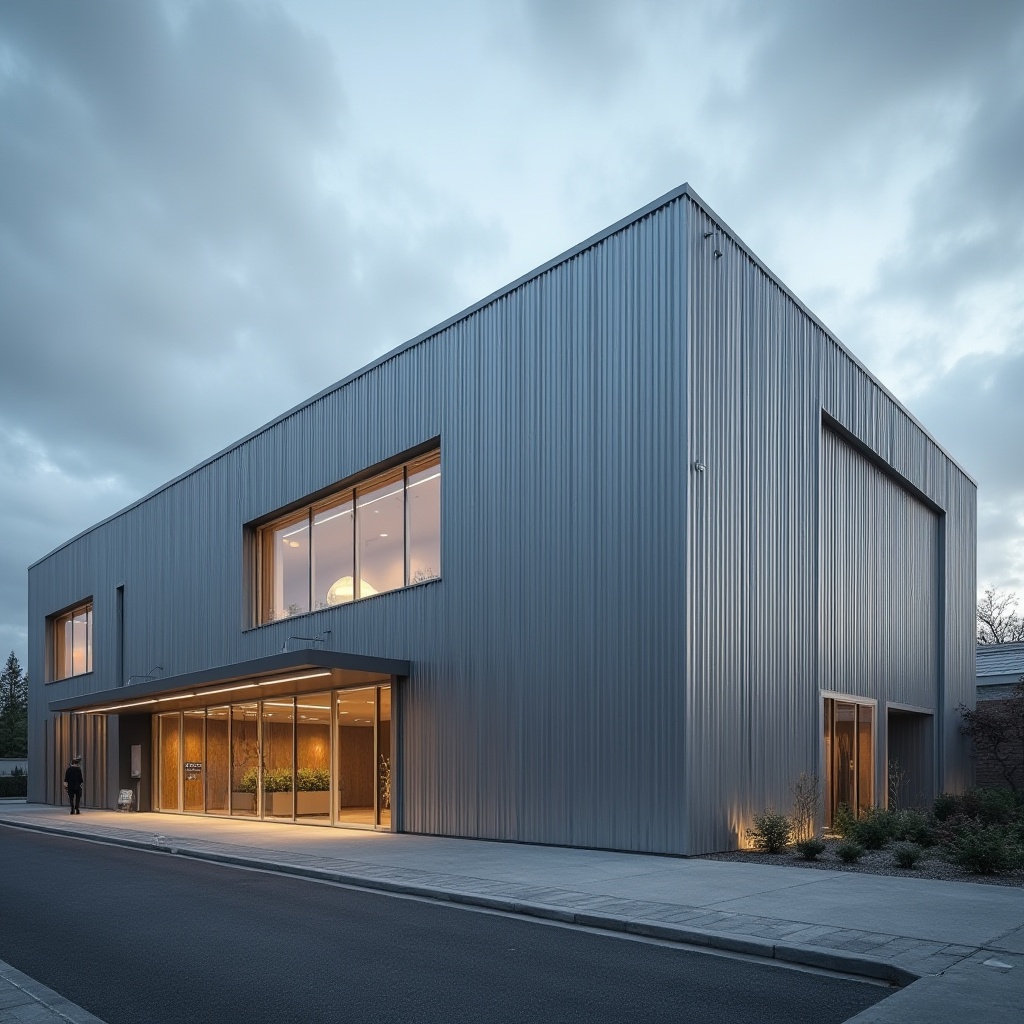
137 937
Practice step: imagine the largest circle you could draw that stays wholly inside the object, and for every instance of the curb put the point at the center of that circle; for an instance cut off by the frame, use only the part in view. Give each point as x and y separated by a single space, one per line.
806 956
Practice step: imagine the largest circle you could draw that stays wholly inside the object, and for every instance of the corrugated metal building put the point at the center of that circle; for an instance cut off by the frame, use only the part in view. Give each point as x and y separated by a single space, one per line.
684 548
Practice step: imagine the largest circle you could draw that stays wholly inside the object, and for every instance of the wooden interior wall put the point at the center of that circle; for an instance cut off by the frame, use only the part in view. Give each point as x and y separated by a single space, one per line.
217 765
170 751
193 752
355 765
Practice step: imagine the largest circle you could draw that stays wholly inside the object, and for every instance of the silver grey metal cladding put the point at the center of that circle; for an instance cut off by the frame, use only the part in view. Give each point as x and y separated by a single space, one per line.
880 602
545 701
762 375
623 650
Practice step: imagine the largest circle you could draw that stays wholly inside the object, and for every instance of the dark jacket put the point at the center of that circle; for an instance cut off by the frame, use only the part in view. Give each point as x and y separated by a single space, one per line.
73 778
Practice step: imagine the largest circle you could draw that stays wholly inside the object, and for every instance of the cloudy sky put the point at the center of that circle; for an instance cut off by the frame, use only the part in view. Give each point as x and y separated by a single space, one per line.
209 211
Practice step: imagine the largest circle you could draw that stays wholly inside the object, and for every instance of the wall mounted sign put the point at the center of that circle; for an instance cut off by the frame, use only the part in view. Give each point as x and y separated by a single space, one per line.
193 769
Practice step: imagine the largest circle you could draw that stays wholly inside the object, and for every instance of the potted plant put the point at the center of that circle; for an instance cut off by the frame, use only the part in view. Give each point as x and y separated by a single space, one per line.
314 792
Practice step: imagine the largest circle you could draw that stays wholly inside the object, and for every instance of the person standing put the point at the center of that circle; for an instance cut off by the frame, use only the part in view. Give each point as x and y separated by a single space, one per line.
74 780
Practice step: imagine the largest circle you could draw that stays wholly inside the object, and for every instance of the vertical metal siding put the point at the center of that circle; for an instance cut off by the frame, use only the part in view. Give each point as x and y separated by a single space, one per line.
622 652
546 696
751 670
880 607
767 564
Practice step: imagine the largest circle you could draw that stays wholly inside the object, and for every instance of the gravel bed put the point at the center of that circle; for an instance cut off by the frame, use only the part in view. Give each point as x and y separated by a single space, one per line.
874 862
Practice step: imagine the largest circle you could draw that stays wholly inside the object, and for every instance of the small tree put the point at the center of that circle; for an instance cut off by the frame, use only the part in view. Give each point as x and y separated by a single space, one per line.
998 619
13 709
996 727
806 804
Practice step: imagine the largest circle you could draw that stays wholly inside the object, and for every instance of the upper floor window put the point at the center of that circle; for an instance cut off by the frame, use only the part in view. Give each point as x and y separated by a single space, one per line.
72 642
380 535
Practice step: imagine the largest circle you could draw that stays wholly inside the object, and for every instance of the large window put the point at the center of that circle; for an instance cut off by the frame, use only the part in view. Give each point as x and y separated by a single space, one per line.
72 642
382 534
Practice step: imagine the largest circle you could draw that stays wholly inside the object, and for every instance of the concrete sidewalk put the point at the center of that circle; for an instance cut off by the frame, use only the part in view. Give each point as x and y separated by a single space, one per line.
964 941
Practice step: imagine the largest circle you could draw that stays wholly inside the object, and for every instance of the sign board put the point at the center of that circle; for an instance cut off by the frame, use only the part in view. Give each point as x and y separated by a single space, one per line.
124 800
193 769
136 761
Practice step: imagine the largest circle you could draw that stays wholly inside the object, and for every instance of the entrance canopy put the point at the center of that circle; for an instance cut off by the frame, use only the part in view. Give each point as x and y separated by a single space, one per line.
278 675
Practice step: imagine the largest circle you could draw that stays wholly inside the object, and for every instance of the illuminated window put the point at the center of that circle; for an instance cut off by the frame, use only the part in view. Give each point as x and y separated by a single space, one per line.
382 534
72 642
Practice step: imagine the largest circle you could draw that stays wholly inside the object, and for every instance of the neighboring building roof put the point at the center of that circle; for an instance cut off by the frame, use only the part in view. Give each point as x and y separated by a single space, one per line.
999 666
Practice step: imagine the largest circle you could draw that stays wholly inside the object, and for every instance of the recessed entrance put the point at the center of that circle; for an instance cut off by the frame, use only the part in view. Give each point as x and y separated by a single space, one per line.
315 758
911 743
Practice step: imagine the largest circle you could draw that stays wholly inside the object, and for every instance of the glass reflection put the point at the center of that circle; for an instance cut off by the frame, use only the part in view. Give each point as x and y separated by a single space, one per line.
218 783
334 554
865 759
278 776
381 526
356 756
245 758
384 756
192 759
72 643
423 499
286 568
313 757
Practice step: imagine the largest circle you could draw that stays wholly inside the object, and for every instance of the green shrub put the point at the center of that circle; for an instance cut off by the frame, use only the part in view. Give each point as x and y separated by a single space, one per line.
872 832
996 806
313 780
906 855
279 781
912 827
990 805
945 806
809 849
843 821
771 832
982 849
13 785
849 852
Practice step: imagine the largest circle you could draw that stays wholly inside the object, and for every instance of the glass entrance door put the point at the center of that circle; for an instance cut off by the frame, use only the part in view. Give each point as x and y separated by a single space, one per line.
245 758
278 759
318 758
218 761
849 757
313 758
356 757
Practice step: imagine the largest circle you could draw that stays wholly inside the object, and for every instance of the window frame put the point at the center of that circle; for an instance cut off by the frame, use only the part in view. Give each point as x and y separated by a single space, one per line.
348 490
55 624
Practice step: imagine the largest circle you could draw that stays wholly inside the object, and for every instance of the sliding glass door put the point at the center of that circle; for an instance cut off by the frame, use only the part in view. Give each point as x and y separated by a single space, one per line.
318 758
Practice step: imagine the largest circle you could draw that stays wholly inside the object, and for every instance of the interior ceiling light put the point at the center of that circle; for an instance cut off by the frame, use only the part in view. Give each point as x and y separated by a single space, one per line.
290 679
341 591
228 689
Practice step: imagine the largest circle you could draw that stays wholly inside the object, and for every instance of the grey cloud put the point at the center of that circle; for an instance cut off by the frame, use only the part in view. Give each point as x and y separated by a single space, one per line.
178 262
976 411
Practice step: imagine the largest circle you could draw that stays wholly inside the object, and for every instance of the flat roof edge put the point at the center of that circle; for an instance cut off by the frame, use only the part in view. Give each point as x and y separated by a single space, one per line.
831 334
681 191
564 257
289 662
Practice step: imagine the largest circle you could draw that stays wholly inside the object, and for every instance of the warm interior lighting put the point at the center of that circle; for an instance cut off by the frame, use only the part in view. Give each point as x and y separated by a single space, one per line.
229 689
341 590
290 679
